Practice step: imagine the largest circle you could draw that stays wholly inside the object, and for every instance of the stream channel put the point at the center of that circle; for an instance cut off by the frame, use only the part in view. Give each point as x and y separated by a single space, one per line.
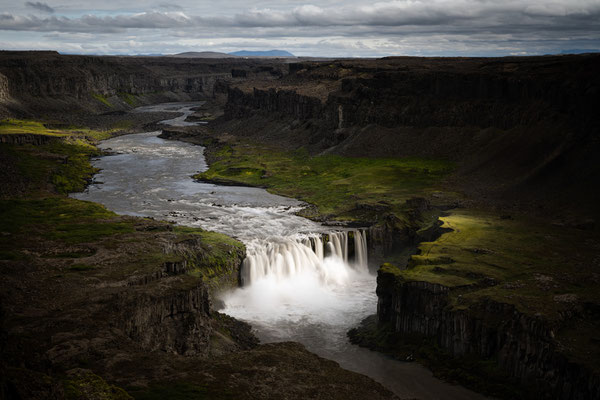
298 287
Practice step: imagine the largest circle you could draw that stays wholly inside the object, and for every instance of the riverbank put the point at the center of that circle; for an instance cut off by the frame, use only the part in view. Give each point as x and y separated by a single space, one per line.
96 304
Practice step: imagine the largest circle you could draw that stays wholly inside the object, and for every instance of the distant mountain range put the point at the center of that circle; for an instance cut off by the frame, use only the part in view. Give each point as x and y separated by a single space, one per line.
268 53
202 54
235 54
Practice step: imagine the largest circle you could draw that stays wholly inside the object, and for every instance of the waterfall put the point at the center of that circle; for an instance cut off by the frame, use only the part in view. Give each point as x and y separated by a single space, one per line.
360 250
283 258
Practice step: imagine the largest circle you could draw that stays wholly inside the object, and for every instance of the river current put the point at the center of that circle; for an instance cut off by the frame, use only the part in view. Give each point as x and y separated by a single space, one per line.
300 288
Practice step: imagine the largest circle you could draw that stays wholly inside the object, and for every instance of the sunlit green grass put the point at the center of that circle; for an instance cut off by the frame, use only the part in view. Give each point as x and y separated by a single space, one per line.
59 218
335 184
102 99
518 261
75 134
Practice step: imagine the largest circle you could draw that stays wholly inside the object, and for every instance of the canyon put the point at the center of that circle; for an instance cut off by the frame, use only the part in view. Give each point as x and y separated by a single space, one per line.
480 217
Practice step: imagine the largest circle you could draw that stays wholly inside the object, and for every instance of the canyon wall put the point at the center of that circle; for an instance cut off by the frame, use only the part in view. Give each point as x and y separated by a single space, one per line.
4 92
48 80
523 346
484 93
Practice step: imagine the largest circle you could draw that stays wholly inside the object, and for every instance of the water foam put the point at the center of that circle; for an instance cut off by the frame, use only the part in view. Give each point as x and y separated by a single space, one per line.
324 256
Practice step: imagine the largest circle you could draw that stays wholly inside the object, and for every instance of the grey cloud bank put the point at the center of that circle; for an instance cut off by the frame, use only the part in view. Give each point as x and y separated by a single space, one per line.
437 27
40 6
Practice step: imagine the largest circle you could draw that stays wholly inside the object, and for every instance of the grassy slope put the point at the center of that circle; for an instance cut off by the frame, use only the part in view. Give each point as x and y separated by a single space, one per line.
336 185
18 126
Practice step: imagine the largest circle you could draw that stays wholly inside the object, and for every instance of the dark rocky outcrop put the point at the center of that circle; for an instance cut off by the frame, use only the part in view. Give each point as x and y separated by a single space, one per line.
4 93
524 346
286 103
176 322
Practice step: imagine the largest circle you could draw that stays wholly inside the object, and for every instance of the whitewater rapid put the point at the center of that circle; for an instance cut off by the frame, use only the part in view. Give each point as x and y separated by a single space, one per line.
302 281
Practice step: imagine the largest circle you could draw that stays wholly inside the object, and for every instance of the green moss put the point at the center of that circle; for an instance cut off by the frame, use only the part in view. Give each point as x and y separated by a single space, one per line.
337 185
102 99
18 126
211 238
217 265
72 254
14 126
59 218
123 125
128 98
87 385
519 261
389 268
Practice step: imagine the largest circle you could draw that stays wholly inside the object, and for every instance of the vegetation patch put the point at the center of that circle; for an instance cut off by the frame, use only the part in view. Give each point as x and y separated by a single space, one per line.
338 186
82 253
520 261
128 98
220 257
60 218
102 99
87 385
18 126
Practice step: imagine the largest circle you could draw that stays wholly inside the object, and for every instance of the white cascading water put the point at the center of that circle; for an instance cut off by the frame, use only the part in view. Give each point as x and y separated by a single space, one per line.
287 258
360 248
306 287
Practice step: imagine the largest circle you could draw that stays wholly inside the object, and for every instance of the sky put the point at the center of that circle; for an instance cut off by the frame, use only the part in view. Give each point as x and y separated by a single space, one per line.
328 28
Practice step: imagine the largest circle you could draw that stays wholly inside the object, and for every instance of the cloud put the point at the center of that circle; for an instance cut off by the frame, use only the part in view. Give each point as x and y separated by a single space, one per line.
40 6
358 26
167 6
444 14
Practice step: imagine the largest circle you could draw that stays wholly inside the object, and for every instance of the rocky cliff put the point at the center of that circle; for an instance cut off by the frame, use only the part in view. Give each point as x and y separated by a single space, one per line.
483 93
4 93
523 346
47 80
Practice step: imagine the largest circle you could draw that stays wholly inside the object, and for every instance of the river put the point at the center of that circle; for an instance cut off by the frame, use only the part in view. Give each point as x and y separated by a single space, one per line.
296 287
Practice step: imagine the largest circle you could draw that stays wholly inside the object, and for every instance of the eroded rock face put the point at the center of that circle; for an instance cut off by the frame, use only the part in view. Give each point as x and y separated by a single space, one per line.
78 77
500 93
176 322
277 102
48 81
524 346
26 138
4 93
